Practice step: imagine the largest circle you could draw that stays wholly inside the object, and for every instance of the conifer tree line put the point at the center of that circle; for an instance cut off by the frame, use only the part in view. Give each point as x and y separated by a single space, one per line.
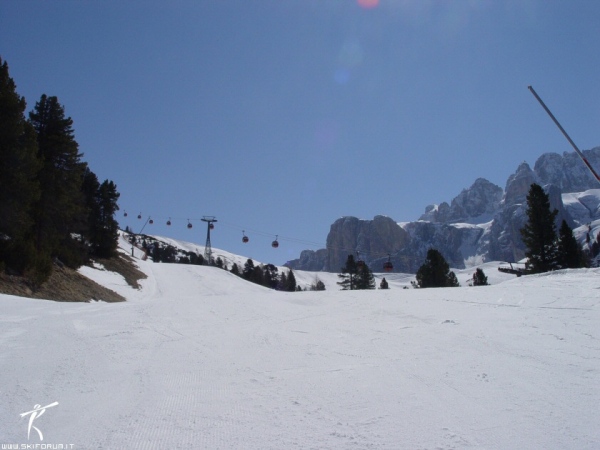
160 252
435 272
52 206
264 274
546 249
267 275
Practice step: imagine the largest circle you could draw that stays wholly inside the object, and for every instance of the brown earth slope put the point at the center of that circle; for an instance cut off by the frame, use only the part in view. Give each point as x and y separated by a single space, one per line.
67 285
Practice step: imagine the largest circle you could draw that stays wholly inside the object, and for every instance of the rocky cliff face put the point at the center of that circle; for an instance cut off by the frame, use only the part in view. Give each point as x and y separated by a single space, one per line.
567 172
372 240
481 224
476 204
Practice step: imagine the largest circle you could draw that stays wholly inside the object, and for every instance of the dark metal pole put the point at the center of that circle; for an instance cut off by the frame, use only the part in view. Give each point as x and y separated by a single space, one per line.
589 166
207 246
144 226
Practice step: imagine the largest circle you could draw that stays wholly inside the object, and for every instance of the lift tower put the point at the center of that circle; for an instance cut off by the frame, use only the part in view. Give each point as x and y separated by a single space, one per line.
207 247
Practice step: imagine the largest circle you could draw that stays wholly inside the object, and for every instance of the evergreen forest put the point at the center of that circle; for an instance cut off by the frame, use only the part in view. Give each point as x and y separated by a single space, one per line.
53 208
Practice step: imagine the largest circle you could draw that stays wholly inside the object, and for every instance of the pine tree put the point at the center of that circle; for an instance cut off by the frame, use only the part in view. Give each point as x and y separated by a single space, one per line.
452 281
235 269
356 275
19 188
348 274
282 284
258 276
569 254
248 270
290 284
384 284
59 212
196 258
539 233
364 277
270 276
108 234
435 272
90 186
479 278
102 227
318 285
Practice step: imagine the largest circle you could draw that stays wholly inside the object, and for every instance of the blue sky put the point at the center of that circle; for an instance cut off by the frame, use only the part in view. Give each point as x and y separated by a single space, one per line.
280 116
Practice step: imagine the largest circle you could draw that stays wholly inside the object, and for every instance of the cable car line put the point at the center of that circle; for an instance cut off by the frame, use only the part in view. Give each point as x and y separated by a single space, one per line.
387 266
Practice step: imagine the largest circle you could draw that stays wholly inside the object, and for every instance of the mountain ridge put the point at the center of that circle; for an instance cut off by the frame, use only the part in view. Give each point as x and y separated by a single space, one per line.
481 224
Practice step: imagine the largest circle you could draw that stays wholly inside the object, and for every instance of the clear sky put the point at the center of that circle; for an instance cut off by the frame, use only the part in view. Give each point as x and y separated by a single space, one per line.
280 116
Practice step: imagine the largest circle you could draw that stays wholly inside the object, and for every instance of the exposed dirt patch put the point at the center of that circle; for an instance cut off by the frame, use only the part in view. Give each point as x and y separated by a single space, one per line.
67 285
124 265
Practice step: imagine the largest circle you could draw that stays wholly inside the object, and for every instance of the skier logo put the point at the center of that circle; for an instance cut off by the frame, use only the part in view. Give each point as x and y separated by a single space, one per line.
36 412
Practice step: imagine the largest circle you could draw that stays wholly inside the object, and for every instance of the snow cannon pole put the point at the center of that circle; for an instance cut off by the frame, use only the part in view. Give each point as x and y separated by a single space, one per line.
583 158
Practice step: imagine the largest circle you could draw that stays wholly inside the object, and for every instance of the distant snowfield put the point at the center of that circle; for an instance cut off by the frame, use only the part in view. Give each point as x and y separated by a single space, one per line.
200 359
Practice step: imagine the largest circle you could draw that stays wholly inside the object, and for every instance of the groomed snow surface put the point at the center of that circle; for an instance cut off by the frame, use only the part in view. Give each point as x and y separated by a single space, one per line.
200 359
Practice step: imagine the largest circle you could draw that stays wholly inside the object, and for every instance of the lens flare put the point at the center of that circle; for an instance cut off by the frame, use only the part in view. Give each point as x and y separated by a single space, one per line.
368 4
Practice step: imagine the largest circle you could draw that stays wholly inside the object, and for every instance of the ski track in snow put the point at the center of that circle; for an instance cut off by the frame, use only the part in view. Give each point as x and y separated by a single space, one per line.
200 359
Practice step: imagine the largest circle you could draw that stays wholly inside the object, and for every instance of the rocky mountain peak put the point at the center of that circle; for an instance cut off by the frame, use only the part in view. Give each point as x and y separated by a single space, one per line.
480 224
476 204
517 185
566 171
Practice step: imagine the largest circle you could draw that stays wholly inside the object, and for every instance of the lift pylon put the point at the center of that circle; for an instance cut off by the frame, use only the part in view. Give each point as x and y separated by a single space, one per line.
207 247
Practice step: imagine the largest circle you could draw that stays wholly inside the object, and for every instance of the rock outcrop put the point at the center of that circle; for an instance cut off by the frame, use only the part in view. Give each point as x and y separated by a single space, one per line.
371 240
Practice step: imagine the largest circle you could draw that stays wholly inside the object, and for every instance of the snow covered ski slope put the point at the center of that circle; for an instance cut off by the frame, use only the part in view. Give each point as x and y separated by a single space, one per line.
200 359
